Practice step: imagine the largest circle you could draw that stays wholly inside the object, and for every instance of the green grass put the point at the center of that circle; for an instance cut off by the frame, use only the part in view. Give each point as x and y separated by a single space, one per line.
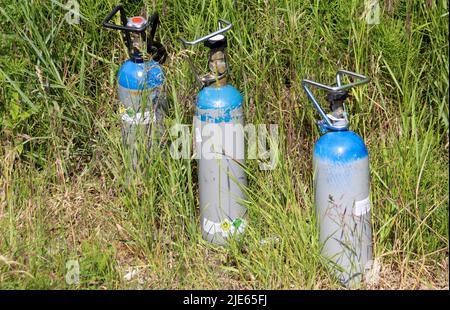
63 191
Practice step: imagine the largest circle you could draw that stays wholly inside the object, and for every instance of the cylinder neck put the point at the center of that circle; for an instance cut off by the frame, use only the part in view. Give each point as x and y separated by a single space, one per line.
217 61
218 66
338 114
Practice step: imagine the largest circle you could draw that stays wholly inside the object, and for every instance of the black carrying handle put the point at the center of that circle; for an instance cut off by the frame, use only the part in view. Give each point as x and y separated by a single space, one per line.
153 47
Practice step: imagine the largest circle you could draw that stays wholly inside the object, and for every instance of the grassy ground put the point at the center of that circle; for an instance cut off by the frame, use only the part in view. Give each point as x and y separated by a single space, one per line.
63 194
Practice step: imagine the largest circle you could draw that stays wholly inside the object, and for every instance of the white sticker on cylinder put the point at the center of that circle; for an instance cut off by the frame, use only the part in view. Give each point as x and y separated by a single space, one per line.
361 207
226 228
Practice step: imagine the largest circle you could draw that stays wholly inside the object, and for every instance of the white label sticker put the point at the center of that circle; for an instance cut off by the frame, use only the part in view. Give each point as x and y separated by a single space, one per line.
361 207
226 228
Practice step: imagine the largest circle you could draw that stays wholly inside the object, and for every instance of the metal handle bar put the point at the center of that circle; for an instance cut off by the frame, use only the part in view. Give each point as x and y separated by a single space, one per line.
221 30
362 80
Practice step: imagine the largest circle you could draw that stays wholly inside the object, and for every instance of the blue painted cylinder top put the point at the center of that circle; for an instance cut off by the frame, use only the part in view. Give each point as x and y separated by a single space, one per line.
219 98
218 104
340 146
140 76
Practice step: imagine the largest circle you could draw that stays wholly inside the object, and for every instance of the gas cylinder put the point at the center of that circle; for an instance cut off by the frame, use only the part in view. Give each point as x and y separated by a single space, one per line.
219 144
140 82
341 183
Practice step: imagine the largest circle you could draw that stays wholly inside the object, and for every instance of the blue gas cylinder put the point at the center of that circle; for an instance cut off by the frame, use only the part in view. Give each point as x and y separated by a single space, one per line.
144 104
219 144
341 181
341 185
141 83
219 138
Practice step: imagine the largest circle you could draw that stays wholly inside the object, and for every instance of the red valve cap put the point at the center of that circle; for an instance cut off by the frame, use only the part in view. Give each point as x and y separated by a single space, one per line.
136 21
